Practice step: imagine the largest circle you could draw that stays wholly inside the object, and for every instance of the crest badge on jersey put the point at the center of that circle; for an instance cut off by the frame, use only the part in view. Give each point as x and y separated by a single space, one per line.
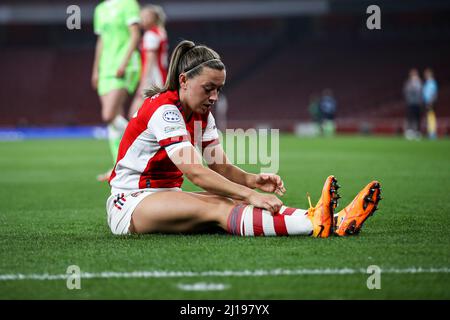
171 116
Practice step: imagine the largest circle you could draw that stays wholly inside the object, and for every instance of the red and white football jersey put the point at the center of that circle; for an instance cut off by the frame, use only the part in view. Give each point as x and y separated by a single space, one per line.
155 39
159 127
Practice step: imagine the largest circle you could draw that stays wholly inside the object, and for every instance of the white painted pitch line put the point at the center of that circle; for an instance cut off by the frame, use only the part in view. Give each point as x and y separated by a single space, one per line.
202 286
224 273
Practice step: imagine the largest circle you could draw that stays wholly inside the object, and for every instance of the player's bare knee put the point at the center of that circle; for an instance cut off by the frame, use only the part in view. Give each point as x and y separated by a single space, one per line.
108 117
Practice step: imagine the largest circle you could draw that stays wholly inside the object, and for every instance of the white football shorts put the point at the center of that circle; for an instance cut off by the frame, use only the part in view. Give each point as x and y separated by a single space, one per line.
120 207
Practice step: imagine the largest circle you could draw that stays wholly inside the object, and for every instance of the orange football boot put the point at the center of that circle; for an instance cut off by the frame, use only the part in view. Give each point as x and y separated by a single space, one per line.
350 219
321 215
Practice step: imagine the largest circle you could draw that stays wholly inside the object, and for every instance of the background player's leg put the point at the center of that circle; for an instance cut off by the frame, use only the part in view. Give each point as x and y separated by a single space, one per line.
136 104
112 109
431 124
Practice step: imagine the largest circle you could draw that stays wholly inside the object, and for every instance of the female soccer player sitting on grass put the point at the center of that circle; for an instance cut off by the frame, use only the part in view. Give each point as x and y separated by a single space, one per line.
156 151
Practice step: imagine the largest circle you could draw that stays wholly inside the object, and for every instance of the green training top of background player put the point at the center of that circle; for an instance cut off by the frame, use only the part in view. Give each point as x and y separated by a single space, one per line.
112 19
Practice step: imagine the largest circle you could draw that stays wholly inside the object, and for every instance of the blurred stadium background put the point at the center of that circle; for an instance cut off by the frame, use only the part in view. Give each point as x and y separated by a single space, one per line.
278 53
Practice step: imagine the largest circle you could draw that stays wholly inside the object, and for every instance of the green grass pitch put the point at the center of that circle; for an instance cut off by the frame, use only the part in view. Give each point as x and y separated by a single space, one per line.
52 215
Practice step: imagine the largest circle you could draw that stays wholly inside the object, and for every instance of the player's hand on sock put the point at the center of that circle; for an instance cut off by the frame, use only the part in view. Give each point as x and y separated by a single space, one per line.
272 183
265 201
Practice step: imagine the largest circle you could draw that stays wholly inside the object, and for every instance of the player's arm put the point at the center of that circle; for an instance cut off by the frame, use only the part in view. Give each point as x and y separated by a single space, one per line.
135 36
98 52
189 161
218 161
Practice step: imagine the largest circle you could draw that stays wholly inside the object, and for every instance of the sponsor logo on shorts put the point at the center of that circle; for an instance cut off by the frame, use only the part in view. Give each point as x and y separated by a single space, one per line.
136 194
119 201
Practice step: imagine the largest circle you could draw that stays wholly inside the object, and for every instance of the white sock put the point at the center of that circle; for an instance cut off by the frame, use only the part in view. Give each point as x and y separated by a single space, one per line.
292 211
115 131
120 123
246 220
117 127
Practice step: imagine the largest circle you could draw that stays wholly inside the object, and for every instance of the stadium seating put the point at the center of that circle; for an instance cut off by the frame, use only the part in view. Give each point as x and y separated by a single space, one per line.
271 72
